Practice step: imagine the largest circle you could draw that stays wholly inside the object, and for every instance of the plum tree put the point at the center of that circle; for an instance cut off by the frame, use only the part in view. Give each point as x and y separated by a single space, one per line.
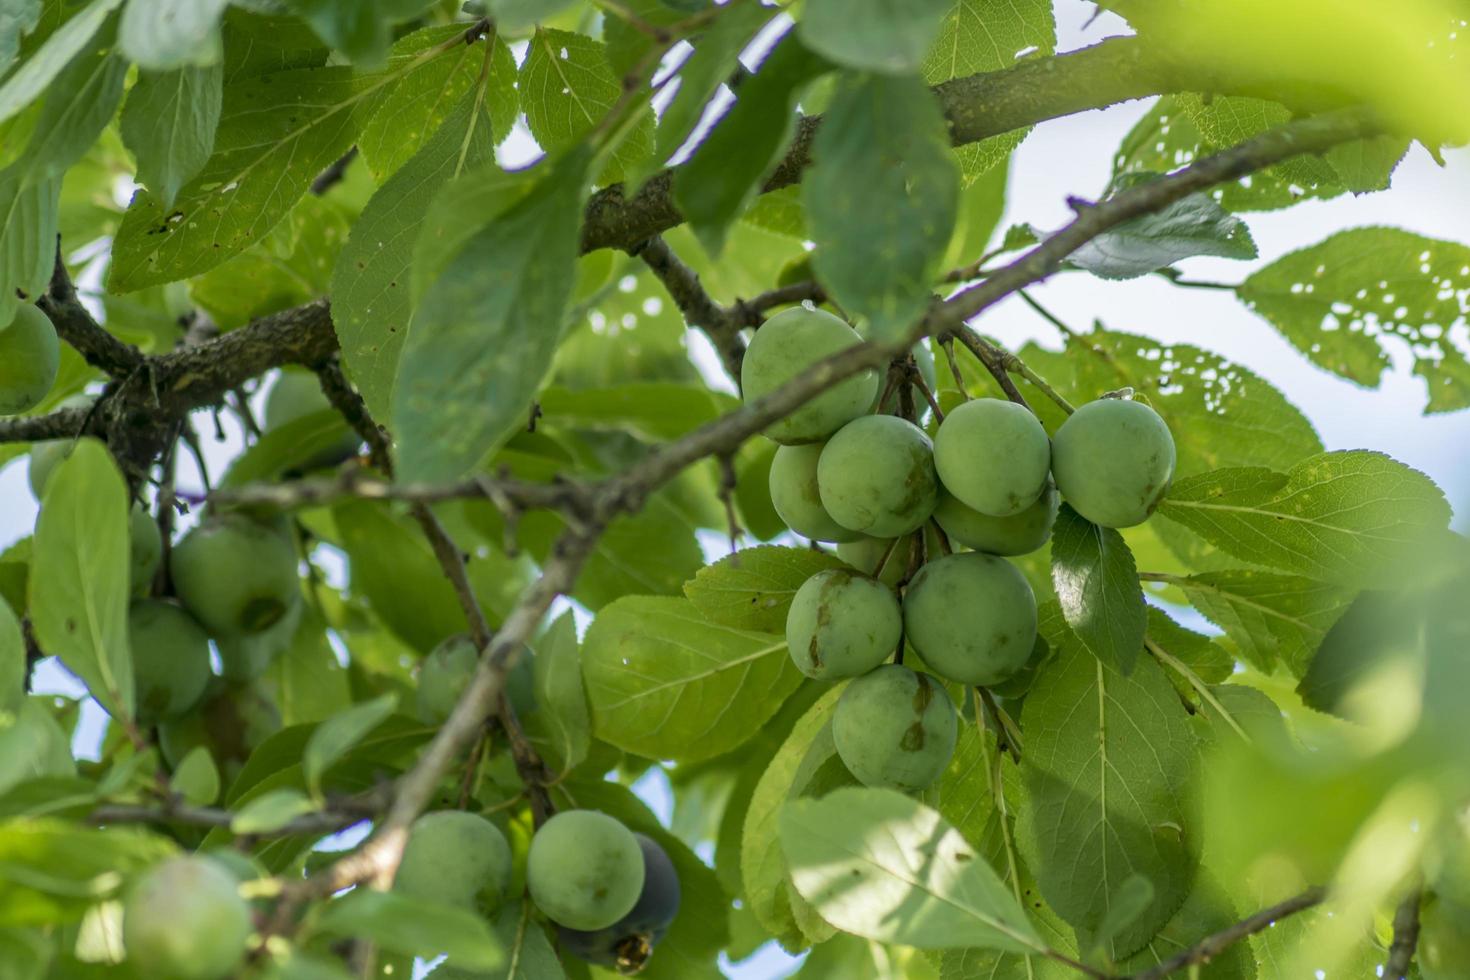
1017 534
145 549
30 355
297 394
443 676
1113 460
234 575
456 857
185 920
170 659
841 625
584 870
895 728
798 502
628 943
993 456
876 475
786 345
972 617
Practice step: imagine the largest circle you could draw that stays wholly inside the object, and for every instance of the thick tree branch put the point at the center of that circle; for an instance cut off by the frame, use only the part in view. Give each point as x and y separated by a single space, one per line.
67 423
1211 946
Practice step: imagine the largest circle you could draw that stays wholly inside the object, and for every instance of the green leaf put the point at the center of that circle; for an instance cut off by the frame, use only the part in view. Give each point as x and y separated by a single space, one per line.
195 778
339 733
414 926
33 746
1097 585
55 870
1132 899
714 59
371 297
528 952
1338 300
79 103
14 667
988 35
26 953
1208 910
167 34
727 170
1107 762
1373 629
17 18
28 229
483 337
1205 658
78 589
1349 518
881 199
1272 618
169 122
36 74
271 811
562 701
873 35
287 447
1195 225
461 208
567 87
876 863
653 411
362 31
752 589
517 14
666 684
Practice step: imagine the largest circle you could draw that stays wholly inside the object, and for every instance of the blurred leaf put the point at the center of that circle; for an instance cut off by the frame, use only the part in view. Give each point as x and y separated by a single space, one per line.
38 71
1107 761
169 122
752 589
79 575
271 811
166 34
872 35
28 228
414 926
54 870
1206 911
362 30
881 198
17 17
1195 225
666 684
1353 518
341 732
195 778
33 746
1097 585
876 863
483 338
1338 300
14 667
25 954
517 14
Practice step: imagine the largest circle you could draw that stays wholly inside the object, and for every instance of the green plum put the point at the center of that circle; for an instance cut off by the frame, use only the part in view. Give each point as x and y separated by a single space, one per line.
235 576
584 870
796 498
865 553
895 728
185 920
1113 460
455 857
170 659
245 656
1018 534
841 625
972 617
785 346
993 456
145 550
443 676
628 943
876 475
30 355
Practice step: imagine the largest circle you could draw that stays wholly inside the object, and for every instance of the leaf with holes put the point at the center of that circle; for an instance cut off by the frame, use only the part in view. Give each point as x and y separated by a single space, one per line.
666 683
1195 225
1338 302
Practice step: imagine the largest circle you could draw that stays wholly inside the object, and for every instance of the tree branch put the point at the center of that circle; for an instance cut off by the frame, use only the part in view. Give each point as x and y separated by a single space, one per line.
75 326
720 325
67 423
339 814
506 493
1405 937
1211 946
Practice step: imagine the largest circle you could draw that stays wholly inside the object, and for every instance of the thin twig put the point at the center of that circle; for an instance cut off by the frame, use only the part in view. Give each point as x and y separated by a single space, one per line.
1213 945
1405 936
720 325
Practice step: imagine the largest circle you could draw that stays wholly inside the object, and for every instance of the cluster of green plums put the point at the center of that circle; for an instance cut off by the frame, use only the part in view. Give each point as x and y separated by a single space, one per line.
991 479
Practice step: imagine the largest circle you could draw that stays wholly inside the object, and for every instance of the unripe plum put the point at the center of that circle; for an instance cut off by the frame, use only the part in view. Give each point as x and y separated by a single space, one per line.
584 870
796 498
628 943
456 857
895 728
1018 534
245 656
865 553
443 676
993 456
297 394
185 920
145 549
877 476
972 617
785 346
235 575
841 625
170 659
29 357
1113 460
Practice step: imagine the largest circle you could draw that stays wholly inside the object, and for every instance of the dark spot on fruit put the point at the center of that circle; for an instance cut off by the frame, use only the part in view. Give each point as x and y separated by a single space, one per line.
913 737
262 613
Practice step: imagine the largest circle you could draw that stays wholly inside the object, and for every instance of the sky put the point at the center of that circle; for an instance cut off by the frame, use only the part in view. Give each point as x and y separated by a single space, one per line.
1073 156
